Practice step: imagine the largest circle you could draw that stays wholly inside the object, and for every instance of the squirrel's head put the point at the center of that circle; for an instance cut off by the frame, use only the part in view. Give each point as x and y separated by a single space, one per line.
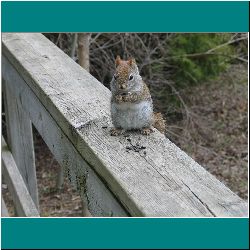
126 75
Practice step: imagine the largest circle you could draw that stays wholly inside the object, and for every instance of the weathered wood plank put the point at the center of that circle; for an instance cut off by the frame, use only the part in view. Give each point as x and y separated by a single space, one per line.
164 182
21 142
23 202
99 199
5 110
4 210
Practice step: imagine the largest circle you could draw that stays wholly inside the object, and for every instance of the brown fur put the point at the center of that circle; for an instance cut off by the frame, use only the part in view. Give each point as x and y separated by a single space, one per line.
133 97
159 122
122 70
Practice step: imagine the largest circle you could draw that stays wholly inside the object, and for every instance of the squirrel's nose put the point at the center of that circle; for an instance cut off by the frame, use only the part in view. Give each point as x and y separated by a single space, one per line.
123 86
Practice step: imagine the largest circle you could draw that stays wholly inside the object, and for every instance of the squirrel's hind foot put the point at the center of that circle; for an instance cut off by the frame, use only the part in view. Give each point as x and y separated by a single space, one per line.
115 131
147 131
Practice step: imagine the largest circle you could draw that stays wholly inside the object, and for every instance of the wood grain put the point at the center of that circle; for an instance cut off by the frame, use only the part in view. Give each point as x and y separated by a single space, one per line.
4 210
94 193
164 181
20 139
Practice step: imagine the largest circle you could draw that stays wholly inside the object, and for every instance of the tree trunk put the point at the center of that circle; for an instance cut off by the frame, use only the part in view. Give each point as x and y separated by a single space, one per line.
73 45
83 50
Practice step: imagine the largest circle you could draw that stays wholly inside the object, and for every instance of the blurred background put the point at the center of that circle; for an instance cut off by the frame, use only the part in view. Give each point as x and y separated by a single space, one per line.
198 81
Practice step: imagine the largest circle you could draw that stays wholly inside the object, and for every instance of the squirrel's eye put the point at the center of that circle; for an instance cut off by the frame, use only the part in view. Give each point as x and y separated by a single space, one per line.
131 77
115 77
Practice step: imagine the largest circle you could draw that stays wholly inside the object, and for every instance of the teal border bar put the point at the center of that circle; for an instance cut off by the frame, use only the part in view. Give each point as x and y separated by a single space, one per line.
121 16
154 233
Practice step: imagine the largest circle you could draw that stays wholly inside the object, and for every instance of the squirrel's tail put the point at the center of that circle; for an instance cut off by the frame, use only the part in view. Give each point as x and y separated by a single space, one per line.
159 122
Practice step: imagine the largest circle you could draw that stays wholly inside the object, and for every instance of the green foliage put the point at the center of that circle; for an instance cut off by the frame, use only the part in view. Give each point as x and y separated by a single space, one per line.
191 61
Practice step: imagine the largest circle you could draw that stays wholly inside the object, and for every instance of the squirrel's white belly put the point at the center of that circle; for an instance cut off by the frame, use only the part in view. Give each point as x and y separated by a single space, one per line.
132 115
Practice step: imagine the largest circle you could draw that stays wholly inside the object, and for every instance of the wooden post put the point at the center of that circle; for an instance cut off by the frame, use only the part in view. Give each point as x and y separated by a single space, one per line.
21 142
5 110
4 210
23 203
60 178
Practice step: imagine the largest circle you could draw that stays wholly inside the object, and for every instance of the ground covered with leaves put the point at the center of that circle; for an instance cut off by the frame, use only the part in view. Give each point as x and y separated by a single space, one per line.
214 131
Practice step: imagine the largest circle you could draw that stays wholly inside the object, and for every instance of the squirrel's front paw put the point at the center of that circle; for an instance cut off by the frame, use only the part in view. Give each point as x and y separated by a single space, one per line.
147 131
115 131
126 98
119 98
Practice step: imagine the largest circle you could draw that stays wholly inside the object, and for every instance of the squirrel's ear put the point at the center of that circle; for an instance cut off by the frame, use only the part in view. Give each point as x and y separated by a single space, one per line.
117 61
131 61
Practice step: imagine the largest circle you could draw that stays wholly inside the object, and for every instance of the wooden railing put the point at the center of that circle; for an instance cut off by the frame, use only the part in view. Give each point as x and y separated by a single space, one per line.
71 111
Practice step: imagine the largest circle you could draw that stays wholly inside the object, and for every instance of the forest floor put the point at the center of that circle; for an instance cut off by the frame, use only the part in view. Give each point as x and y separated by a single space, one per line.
214 133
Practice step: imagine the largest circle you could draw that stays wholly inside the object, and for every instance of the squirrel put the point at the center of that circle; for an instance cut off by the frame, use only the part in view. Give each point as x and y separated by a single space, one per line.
131 102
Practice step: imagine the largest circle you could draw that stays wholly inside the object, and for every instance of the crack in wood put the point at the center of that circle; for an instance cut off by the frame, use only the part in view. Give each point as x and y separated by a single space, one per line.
202 202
